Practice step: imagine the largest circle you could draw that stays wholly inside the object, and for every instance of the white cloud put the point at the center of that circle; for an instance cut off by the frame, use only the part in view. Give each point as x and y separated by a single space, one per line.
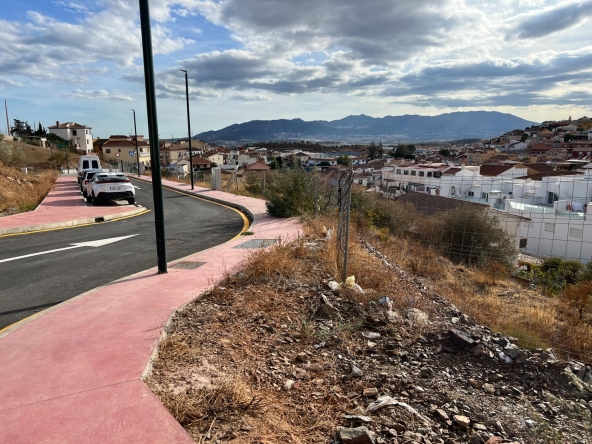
97 94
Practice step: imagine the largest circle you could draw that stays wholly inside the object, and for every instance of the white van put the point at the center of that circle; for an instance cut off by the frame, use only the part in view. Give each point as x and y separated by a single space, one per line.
87 163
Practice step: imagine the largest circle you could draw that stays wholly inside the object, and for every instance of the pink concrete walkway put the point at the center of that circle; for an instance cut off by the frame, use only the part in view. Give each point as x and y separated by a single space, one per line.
63 207
73 374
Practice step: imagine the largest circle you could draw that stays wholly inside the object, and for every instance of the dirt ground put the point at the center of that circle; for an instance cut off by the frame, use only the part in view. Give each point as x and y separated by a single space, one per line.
274 355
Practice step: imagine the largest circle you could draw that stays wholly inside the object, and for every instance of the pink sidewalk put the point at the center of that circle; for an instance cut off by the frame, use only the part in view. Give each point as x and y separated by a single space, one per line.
73 374
63 207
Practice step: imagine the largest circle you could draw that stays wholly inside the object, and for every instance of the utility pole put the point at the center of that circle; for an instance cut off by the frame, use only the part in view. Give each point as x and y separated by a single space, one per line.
188 127
137 152
153 134
7 124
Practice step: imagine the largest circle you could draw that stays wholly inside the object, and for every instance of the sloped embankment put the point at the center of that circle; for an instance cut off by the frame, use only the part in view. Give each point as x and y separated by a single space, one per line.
272 355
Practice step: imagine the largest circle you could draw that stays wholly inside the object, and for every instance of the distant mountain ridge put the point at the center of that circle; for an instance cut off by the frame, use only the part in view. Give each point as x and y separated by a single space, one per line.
362 128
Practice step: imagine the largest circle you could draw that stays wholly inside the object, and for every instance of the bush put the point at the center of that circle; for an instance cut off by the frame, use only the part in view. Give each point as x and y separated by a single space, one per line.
253 184
290 193
579 296
469 234
11 155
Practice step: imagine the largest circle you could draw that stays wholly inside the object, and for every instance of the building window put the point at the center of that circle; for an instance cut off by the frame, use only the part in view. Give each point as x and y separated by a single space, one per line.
87 141
119 150
398 171
453 190
471 194
86 131
421 174
413 173
74 133
575 232
406 172
108 150
429 174
484 196
550 227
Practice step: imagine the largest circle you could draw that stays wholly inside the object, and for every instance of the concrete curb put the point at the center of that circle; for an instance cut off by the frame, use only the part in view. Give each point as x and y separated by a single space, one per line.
71 223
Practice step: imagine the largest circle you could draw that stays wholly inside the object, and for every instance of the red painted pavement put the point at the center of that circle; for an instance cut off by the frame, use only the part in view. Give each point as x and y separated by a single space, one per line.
73 375
64 203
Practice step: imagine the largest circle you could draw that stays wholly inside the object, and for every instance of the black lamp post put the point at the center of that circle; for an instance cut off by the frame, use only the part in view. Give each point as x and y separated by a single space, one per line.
188 127
137 152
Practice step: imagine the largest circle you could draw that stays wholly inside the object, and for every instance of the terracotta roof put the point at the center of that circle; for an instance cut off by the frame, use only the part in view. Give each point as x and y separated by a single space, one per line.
452 171
257 166
428 204
539 176
68 125
200 161
493 170
539 167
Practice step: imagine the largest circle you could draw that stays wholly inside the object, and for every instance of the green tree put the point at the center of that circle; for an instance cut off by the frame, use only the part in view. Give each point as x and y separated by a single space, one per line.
405 151
444 152
344 160
290 192
374 151
21 129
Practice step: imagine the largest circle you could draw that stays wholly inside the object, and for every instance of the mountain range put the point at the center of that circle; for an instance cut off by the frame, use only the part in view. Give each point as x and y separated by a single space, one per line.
362 128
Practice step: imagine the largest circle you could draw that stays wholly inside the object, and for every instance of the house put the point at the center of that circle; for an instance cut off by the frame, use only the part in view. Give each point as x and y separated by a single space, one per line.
257 167
123 148
199 163
80 136
217 158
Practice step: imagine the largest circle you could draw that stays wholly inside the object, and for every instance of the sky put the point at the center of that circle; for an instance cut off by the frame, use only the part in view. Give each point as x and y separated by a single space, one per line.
82 60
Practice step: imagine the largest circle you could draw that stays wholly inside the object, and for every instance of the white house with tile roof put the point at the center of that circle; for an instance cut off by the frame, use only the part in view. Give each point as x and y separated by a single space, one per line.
79 135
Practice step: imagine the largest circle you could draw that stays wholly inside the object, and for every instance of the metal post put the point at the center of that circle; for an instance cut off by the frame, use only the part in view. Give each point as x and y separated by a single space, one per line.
348 203
8 133
137 152
153 135
67 162
188 127
51 150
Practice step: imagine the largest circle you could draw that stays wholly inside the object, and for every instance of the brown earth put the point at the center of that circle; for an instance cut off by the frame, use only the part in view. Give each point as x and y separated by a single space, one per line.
272 355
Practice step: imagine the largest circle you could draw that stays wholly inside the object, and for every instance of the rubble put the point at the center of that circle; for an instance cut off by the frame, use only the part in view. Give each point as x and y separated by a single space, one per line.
430 375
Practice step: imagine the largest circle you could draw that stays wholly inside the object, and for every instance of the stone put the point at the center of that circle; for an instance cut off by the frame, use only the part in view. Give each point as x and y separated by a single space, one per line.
494 440
462 421
359 418
289 384
392 317
489 388
356 372
476 384
516 354
370 335
327 309
442 414
357 435
334 285
370 392
417 317
480 427
301 357
460 338
381 402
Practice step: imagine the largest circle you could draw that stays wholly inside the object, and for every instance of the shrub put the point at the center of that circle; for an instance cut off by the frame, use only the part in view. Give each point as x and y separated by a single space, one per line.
253 184
469 234
293 192
579 296
11 155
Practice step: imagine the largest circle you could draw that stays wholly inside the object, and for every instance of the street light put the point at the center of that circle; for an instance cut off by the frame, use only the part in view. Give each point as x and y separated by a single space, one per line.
188 127
137 152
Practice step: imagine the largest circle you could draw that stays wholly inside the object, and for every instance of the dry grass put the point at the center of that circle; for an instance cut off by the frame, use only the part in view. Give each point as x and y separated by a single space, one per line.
494 300
22 192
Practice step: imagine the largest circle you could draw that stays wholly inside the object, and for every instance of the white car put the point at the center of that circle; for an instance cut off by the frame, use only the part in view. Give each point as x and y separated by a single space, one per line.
107 187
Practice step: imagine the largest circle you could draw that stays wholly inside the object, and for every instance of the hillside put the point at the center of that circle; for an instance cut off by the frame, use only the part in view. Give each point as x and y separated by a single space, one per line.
39 158
276 353
362 128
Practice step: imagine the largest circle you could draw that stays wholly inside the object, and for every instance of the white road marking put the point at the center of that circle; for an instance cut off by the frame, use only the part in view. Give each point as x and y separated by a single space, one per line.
97 243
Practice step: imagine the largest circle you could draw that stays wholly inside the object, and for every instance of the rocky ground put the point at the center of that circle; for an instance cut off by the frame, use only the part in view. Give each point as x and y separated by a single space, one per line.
277 353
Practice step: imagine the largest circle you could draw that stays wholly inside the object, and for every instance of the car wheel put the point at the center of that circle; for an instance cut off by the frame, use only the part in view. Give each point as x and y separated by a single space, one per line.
131 201
96 203
89 198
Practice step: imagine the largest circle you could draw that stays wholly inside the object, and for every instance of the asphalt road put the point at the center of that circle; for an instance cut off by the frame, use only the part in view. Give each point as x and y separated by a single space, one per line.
32 284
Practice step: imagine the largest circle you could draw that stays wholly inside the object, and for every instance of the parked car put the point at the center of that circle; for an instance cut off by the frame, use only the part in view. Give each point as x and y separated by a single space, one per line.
107 187
87 163
87 175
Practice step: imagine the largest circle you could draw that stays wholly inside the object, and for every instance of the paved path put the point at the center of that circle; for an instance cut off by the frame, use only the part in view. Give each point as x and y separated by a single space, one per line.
63 207
72 374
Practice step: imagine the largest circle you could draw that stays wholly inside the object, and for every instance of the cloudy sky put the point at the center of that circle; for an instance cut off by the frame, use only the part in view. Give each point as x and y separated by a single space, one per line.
82 61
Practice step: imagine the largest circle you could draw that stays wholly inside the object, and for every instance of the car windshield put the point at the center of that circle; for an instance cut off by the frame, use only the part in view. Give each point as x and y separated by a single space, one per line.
90 175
